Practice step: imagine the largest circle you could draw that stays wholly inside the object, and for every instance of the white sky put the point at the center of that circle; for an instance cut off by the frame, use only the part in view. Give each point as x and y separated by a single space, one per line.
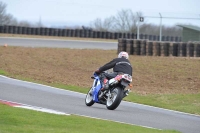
82 12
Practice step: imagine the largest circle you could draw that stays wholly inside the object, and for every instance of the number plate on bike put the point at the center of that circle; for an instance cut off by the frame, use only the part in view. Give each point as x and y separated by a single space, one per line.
124 83
127 77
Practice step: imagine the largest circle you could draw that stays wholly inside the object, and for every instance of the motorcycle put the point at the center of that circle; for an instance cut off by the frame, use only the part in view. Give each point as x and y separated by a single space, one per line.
112 96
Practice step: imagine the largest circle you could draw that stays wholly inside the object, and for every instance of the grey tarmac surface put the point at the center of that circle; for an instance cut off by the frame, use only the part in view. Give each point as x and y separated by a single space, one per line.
56 43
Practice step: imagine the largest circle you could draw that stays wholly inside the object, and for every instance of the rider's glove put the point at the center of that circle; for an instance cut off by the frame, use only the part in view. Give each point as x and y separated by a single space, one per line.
97 72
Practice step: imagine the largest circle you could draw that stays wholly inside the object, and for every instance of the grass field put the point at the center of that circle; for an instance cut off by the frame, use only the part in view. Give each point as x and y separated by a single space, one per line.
17 120
167 82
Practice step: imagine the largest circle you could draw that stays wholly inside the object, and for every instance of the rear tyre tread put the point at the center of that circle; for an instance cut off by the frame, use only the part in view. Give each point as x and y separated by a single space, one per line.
117 100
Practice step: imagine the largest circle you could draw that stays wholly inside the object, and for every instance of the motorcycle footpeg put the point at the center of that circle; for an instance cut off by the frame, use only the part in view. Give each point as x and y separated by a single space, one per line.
102 94
126 92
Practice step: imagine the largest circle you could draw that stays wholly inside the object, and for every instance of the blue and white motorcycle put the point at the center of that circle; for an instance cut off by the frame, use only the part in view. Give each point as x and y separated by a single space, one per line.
112 96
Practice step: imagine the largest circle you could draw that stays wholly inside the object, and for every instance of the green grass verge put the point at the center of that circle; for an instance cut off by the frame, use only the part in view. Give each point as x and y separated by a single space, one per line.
17 120
188 103
3 73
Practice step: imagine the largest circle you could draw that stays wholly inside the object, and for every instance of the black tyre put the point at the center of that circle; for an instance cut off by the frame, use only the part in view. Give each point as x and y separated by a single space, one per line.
114 98
89 99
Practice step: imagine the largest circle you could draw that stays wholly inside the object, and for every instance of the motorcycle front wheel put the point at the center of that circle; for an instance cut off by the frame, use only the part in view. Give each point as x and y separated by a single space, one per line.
89 99
114 98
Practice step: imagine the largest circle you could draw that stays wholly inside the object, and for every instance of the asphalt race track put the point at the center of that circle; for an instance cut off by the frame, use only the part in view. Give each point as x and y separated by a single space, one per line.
55 43
74 103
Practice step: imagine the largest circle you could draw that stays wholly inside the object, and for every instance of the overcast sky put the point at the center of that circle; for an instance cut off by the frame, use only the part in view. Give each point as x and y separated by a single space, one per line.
83 12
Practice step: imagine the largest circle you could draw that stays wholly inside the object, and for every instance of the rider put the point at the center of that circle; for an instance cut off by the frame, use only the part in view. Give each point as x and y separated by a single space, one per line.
119 65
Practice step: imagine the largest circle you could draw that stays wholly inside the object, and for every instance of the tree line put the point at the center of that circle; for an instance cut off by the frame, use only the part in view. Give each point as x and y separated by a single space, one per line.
124 21
127 21
9 19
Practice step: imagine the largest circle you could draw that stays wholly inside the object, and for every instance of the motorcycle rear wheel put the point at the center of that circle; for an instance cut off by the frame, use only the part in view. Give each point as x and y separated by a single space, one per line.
89 99
114 99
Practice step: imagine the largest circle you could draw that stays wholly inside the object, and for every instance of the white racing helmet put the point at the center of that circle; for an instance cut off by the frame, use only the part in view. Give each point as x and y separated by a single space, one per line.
123 54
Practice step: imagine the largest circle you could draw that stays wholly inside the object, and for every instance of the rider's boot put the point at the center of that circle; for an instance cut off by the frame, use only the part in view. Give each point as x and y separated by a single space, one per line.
126 92
105 85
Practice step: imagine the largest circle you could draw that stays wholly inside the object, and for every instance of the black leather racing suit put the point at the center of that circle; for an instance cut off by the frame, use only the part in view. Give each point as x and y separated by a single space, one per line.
119 65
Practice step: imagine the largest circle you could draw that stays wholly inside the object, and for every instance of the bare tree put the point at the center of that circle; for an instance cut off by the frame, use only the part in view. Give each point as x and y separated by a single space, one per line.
172 31
39 23
3 16
152 29
6 19
124 21
120 21
103 25
127 21
24 23
97 24
149 29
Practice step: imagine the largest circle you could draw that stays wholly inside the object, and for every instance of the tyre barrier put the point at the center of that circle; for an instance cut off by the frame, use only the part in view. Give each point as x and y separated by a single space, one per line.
197 50
164 48
122 45
136 47
173 49
129 46
29 31
117 35
190 49
15 30
19 30
33 31
77 33
6 29
156 48
94 34
182 49
143 47
87 33
149 48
